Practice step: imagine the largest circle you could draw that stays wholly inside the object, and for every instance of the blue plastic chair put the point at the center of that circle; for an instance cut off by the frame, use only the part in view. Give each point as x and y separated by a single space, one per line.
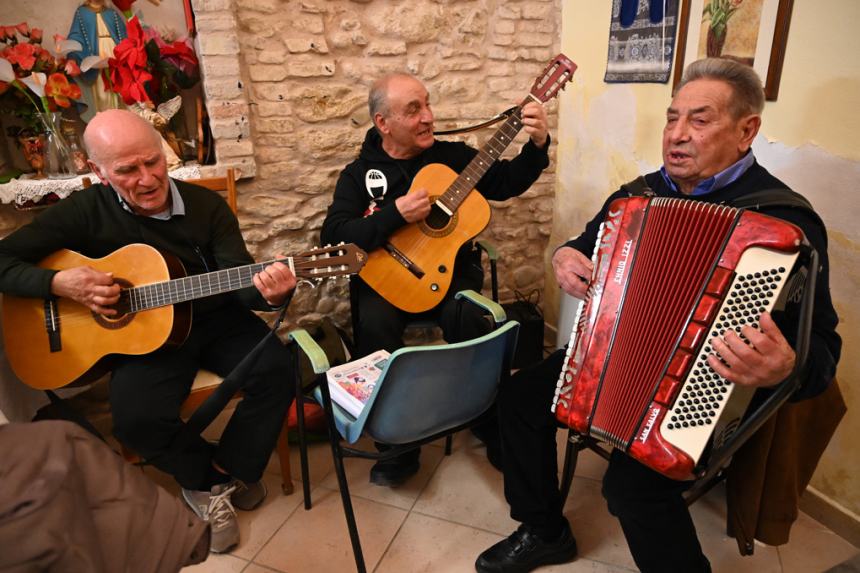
423 394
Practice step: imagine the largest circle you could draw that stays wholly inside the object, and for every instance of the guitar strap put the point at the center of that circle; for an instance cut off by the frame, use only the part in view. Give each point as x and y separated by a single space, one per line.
492 121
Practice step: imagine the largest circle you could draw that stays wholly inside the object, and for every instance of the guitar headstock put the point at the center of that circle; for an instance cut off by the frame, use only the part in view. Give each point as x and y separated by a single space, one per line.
554 77
329 261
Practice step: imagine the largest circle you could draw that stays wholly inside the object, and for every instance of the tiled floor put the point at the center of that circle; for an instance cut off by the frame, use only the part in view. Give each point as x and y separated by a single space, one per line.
443 517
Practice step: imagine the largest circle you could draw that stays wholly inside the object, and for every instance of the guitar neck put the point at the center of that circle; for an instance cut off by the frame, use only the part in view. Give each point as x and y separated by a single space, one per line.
190 288
489 153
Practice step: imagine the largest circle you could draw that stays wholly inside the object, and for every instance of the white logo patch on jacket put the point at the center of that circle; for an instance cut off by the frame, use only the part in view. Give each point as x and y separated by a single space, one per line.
376 184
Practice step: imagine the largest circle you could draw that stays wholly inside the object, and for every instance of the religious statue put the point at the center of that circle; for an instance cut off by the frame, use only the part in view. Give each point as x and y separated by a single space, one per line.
98 28
160 119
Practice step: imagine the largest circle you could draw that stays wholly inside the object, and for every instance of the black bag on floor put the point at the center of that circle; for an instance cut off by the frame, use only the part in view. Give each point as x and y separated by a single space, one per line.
526 311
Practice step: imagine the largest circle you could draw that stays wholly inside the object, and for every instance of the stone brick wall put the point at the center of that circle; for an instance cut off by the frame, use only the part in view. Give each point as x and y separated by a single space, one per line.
287 81
297 107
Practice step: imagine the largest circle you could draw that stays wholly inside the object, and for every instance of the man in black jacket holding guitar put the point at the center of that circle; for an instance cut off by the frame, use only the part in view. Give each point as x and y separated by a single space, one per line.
137 203
371 202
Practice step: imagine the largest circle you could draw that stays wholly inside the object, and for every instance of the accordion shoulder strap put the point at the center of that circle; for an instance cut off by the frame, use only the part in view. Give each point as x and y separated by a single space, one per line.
777 197
638 188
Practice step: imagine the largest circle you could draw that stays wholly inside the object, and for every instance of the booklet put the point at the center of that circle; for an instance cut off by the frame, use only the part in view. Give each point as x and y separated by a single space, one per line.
351 384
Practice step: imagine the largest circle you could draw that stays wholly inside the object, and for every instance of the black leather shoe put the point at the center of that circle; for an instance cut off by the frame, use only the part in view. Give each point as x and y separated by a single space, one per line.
395 471
524 551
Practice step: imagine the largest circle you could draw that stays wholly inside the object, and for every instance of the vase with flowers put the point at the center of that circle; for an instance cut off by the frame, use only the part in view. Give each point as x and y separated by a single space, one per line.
35 87
718 13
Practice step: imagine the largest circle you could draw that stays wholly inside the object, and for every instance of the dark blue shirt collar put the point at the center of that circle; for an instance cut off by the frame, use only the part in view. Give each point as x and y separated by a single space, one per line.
718 181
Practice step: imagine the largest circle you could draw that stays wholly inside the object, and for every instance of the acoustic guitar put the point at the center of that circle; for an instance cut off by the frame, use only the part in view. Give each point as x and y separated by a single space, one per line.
56 341
413 269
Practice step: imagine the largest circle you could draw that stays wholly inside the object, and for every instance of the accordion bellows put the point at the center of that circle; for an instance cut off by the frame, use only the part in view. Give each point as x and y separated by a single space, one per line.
669 275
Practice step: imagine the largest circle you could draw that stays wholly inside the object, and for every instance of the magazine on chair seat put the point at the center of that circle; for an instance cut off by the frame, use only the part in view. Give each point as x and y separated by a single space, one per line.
351 384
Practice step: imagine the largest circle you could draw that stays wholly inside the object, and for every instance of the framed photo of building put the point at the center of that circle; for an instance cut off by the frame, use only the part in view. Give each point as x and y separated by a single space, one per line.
753 32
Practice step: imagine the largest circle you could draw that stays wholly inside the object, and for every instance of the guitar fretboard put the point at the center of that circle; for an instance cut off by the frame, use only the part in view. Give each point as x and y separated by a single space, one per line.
489 153
189 288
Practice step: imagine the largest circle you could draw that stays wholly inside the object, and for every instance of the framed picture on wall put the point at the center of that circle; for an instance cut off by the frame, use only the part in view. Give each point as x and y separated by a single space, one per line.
753 32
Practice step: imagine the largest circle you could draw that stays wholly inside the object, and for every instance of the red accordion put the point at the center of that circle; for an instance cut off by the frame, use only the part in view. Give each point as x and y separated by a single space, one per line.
669 275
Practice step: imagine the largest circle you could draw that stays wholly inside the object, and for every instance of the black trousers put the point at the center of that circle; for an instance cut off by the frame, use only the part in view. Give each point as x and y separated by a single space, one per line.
147 392
650 507
381 324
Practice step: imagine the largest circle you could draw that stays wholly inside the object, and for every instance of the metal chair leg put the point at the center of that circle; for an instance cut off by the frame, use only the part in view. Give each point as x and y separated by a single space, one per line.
575 444
303 443
448 442
337 456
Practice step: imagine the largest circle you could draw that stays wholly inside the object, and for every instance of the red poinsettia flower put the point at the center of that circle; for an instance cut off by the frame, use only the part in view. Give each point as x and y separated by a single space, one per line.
130 83
59 90
36 35
23 28
123 5
128 68
180 55
132 50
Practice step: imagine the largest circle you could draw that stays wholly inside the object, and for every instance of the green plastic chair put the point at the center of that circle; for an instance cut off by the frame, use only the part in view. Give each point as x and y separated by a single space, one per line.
423 394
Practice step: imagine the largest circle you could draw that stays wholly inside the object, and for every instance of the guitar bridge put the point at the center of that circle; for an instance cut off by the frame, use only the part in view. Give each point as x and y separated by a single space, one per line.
404 260
52 325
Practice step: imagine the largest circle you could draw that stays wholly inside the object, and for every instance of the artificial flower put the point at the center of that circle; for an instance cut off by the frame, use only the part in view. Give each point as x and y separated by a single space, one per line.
7 73
72 69
60 89
24 55
64 46
145 69
36 82
93 62
41 80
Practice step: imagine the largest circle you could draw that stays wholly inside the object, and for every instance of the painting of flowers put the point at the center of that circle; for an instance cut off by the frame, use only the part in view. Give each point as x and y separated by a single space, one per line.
730 29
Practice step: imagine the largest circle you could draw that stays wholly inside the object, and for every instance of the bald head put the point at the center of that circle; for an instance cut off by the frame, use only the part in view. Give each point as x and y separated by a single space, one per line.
115 129
126 154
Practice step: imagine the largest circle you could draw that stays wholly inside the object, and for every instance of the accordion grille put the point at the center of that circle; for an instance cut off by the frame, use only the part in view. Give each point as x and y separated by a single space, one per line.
677 249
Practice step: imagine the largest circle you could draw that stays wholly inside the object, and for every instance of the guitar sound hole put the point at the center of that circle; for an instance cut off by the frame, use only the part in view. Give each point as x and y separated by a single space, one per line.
437 219
122 307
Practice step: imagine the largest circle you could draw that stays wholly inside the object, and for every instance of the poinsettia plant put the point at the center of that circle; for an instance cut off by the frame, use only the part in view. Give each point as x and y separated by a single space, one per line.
32 80
148 69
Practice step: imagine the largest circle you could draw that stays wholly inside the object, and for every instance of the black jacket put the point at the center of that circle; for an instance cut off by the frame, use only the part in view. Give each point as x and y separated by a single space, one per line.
825 344
349 219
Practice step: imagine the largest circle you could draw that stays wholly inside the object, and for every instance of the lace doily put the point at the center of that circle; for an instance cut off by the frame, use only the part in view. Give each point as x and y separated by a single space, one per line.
22 190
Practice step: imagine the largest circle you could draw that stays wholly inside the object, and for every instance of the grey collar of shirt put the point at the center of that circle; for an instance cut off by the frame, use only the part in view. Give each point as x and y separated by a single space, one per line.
177 205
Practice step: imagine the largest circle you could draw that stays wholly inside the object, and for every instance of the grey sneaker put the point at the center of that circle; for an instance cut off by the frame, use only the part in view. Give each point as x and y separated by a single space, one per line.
214 507
248 496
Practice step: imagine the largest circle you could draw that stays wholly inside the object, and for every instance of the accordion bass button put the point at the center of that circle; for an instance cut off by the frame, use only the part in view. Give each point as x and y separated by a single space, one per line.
667 390
679 364
720 281
693 336
707 309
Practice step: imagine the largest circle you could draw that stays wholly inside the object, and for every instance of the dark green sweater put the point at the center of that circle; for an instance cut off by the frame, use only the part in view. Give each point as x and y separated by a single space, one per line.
94 223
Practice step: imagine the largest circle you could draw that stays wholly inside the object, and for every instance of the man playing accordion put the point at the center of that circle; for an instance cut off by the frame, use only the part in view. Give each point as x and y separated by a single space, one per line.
710 126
